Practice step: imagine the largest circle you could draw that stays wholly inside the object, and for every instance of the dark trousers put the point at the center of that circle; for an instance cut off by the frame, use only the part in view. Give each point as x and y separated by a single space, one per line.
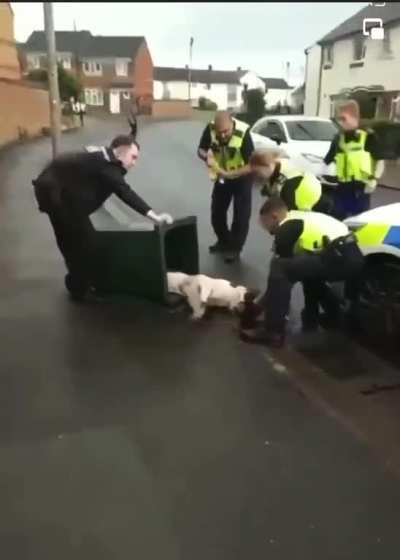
350 200
75 237
340 261
318 294
81 117
223 193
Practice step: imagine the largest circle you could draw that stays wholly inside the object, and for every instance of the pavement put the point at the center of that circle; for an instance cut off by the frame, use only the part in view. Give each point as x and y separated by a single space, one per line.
127 432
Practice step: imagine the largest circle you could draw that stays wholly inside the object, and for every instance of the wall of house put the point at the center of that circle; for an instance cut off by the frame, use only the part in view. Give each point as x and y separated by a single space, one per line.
312 80
275 96
143 73
218 93
27 111
379 68
9 63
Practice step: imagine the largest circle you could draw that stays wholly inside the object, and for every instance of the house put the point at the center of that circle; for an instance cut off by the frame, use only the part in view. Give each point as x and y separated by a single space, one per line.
346 63
25 108
277 92
223 87
115 71
9 63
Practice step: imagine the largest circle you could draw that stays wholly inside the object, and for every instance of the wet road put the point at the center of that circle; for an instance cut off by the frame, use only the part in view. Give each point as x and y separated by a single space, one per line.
127 433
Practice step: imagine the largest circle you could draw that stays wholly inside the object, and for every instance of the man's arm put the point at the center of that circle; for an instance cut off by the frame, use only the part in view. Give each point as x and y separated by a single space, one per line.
205 144
333 149
287 236
120 188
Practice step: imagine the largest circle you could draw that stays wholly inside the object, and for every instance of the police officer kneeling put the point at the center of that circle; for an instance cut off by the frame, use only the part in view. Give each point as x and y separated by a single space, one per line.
73 186
309 247
299 189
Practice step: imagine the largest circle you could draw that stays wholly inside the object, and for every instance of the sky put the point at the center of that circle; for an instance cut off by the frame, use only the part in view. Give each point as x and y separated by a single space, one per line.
257 36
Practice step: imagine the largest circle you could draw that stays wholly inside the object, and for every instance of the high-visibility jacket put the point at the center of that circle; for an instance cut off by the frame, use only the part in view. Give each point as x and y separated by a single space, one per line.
317 229
229 157
353 162
309 190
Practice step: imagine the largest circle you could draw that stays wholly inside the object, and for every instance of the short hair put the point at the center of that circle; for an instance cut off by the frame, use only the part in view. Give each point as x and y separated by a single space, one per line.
264 157
350 106
123 140
273 204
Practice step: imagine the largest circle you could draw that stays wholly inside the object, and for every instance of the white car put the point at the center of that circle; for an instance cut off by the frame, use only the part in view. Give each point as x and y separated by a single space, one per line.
304 140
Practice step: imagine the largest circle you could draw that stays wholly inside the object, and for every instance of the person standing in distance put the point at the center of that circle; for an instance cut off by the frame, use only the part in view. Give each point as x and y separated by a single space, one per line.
226 147
71 188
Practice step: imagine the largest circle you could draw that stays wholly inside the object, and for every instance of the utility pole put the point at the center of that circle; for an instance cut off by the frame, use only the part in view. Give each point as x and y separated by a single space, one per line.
54 94
190 69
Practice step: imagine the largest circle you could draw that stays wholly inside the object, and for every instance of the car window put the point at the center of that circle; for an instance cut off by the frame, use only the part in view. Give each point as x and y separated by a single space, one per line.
272 129
322 131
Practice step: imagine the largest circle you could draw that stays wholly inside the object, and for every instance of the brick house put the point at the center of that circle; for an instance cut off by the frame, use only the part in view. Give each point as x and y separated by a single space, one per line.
116 72
27 107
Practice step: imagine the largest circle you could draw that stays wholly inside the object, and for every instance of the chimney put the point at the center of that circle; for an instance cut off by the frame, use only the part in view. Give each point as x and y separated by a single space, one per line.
239 69
210 67
187 66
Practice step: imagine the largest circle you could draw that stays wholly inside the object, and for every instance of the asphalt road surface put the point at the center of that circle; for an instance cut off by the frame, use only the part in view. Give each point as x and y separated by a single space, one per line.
127 432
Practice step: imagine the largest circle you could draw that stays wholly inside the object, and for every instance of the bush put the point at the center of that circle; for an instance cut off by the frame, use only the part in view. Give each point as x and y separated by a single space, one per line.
69 85
255 103
207 105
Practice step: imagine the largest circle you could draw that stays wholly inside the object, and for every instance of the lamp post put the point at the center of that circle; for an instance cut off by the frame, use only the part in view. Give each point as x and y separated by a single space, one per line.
54 94
190 69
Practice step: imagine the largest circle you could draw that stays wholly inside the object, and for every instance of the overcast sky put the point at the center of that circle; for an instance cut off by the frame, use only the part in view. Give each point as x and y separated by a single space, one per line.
256 36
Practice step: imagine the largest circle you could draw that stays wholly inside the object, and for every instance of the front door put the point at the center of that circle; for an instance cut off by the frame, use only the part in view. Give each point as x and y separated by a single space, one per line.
114 102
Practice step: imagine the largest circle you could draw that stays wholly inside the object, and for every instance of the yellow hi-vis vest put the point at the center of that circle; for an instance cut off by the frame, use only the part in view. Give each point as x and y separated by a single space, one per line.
317 228
353 163
309 190
229 157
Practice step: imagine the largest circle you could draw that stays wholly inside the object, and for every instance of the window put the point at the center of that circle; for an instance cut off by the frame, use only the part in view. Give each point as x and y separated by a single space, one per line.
194 85
208 86
121 67
321 131
272 130
92 68
34 62
65 61
359 47
94 97
328 55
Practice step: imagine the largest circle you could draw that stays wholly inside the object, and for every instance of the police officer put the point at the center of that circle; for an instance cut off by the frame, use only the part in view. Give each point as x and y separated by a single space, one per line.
73 186
226 146
300 190
357 166
310 247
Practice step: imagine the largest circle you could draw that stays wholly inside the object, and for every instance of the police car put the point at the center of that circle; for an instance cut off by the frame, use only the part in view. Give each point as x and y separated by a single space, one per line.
378 234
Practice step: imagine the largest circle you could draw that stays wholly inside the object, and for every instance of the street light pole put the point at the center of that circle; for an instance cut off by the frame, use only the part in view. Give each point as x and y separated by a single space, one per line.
190 69
54 94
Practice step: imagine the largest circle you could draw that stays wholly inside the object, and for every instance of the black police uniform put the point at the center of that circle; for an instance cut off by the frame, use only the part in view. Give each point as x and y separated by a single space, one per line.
69 189
237 189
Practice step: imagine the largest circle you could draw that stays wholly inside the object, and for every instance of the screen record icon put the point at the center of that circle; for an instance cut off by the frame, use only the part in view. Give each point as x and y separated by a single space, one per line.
373 27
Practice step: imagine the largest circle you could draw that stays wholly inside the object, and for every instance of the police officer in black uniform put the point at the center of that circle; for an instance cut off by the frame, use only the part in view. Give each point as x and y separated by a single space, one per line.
71 188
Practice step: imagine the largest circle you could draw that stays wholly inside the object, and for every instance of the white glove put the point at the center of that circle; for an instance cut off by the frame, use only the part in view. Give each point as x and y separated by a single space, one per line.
160 218
370 186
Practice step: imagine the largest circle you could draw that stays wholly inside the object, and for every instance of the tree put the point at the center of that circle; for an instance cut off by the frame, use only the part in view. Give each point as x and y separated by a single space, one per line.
255 104
70 85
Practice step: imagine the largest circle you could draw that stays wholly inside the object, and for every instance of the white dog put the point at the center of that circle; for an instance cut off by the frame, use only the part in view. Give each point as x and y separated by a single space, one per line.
202 291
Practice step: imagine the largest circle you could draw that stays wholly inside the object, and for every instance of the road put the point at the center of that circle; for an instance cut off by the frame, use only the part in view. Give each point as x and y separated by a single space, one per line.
128 433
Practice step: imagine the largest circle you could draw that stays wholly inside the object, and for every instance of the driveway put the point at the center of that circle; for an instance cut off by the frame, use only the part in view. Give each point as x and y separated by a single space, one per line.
128 433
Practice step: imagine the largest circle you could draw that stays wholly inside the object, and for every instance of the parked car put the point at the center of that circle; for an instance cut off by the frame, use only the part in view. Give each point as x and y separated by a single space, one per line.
378 233
304 140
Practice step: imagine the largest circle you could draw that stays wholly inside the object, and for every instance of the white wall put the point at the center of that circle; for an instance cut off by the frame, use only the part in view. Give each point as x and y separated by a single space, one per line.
274 96
179 90
378 69
312 80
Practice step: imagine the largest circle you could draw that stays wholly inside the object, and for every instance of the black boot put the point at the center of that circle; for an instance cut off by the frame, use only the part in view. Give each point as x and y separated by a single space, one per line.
218 247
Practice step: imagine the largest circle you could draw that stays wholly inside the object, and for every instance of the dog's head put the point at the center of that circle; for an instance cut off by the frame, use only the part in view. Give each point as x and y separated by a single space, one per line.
177 281
247 297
